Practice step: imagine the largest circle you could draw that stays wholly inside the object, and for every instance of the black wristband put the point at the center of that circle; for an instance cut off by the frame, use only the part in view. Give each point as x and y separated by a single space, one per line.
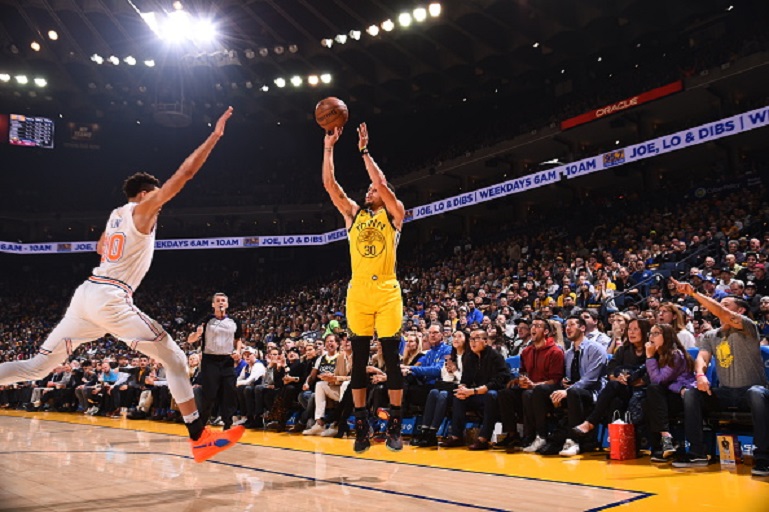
364 150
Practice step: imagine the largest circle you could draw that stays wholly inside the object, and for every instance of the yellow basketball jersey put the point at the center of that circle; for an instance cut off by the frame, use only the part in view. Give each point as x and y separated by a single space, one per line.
373 242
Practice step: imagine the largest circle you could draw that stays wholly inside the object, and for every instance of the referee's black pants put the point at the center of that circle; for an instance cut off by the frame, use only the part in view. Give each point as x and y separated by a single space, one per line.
217 377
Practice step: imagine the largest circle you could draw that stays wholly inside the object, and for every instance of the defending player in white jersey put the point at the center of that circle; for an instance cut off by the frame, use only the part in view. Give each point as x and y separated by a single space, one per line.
104 302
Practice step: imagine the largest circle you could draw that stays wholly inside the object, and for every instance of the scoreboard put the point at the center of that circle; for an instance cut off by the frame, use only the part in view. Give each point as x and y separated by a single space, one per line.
30 131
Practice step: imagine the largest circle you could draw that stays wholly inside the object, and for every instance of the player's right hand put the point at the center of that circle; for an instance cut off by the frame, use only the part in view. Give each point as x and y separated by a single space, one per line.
332 136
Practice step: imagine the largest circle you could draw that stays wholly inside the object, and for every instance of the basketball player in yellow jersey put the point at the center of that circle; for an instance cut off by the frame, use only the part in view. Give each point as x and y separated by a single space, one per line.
374 302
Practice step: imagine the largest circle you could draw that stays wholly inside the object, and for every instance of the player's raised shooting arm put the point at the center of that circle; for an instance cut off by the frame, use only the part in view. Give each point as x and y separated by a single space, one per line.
392 204
346 206
185 172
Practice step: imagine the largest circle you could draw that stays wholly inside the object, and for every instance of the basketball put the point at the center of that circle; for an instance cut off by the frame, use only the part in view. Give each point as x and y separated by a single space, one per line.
331 113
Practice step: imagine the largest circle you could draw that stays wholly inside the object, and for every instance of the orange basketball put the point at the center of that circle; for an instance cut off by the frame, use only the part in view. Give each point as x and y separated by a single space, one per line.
331 113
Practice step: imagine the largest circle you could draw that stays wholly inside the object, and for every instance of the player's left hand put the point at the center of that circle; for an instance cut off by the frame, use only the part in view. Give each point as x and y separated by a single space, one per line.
219 129
362 136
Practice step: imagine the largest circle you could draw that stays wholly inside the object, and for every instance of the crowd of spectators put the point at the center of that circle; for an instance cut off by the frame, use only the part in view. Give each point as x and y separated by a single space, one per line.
602 285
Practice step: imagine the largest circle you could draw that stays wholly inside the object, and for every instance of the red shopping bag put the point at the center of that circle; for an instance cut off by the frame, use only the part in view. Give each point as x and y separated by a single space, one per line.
621 438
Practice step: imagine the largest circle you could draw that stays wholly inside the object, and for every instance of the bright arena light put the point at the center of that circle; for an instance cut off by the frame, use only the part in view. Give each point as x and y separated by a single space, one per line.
35 46
373 30
434 9
388 25
328 43
265 88
341 38
313 80
404 19
420 14
325 78
131 61
176 26
114 60
179 25
296 80
355 34
41 82
149 63
22 79
280 82
205 31
53 35
98 59
4 77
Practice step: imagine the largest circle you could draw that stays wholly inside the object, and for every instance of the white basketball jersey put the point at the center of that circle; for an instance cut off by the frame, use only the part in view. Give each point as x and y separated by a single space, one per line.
127 253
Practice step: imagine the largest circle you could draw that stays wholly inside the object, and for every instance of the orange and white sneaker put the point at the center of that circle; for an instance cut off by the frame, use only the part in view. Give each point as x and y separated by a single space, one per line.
210 443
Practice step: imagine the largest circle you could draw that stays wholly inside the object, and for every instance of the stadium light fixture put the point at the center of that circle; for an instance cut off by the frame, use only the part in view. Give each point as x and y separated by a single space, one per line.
373 30
35 46
263 52
328 43
150 63
53 35
341 38
131 61
293 48
22 79
205 31
265 88
434 9
98 59
5 77
280 82
41 82
325 78
355 34
404 19
279 49
420 14
388 25
114 60
313 80
296 80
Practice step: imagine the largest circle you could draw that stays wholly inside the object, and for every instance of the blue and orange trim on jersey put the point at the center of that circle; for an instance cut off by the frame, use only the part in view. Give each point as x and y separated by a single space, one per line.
112 282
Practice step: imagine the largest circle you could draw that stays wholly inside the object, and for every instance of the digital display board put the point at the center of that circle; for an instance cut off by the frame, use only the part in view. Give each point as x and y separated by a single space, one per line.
30 131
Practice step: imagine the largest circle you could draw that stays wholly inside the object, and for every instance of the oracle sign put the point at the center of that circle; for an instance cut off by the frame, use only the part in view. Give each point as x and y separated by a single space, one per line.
621 105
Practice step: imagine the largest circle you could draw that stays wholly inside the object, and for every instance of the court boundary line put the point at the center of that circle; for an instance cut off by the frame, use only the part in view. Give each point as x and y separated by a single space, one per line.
639 494
274 472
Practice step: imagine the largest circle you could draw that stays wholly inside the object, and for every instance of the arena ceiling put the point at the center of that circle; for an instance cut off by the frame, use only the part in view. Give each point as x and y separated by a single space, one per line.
474 49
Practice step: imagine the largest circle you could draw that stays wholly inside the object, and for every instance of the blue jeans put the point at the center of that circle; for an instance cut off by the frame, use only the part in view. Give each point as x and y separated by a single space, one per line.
435 408
485 404
755 399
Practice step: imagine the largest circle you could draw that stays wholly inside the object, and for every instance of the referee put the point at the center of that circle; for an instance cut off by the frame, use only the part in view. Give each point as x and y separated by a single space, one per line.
220 335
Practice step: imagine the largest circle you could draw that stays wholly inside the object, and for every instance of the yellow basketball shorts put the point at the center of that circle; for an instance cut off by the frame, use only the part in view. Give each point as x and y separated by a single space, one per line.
374 305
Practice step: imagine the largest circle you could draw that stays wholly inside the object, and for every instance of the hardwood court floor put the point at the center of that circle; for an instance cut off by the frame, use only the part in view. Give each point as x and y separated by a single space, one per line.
68 462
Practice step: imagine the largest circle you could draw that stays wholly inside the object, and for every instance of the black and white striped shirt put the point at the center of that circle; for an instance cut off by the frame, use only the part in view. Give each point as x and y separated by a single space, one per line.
220 335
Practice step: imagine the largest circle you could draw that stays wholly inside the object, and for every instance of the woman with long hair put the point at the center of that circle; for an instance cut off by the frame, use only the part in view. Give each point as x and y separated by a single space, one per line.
619 323
670 313
671 373
556 332
625 373
411 353
438 398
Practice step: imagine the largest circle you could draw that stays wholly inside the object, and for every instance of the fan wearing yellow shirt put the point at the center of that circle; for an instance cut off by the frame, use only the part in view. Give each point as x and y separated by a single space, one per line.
374 301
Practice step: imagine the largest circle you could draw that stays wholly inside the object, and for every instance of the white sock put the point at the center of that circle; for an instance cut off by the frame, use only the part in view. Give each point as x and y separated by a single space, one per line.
191 417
